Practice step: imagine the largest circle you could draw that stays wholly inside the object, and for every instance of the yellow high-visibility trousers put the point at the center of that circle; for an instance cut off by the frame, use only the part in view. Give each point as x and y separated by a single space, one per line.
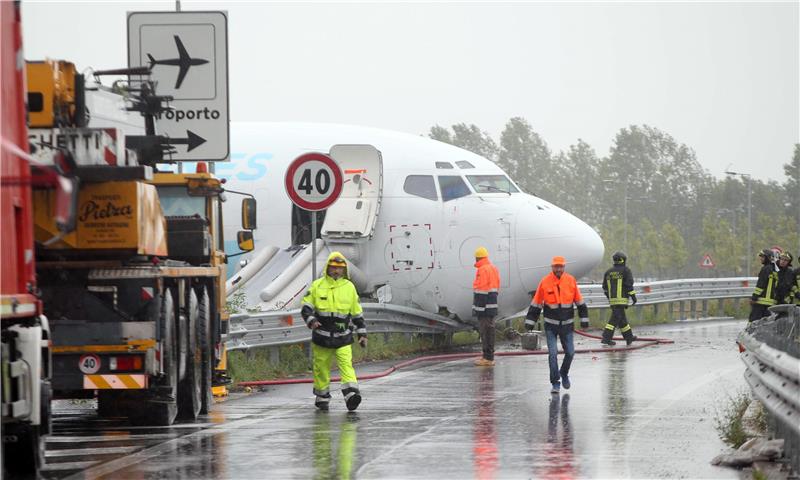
322 360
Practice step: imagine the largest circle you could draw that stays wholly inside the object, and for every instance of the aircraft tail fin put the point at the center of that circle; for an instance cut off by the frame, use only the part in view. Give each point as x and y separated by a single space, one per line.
152 60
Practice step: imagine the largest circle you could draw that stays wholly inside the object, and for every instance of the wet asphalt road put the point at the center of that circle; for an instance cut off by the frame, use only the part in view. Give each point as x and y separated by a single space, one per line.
642 414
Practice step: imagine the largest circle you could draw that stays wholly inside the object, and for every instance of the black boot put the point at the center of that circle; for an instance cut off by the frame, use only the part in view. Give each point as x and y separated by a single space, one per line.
352 398
608 334
322 402
629 337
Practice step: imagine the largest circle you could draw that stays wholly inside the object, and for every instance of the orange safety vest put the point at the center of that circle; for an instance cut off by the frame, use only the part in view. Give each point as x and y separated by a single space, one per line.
556 296
485 287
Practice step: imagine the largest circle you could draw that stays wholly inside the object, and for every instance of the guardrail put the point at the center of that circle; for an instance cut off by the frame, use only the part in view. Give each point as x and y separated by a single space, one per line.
276 328
667 291
772 358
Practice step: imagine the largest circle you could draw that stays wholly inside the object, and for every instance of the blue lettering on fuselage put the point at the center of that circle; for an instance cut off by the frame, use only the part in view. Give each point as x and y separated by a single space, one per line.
244 167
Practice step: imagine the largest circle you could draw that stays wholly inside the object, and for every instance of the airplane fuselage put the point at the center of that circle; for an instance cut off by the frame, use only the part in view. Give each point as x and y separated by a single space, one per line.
421 251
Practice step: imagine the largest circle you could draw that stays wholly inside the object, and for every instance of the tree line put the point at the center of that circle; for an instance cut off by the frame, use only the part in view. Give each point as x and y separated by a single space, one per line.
676 211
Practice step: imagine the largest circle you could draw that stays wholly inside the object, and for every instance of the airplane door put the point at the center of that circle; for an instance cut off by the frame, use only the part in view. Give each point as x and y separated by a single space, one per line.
471 224
354 214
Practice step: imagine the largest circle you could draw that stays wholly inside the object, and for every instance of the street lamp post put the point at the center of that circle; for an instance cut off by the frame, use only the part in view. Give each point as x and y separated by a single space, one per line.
624 212
749 214
625 217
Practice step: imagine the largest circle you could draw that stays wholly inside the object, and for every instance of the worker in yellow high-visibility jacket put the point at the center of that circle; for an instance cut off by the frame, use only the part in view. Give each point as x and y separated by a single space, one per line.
332 311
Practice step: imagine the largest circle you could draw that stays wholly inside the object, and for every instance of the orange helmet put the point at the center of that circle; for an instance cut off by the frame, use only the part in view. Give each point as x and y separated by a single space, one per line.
558 260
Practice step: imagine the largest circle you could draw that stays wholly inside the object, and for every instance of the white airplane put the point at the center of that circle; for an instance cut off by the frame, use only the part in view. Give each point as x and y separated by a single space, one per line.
411 214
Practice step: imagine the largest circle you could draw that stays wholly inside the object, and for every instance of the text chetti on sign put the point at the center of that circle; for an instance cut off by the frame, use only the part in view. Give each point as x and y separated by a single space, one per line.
187 53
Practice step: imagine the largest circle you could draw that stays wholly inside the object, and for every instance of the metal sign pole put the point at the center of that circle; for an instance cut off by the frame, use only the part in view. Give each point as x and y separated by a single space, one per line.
313 246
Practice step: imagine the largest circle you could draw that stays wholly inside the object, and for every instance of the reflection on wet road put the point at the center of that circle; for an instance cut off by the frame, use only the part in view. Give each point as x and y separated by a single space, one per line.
646 413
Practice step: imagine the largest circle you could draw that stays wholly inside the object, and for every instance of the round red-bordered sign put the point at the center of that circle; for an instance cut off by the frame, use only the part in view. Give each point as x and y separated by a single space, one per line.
89 363
313 181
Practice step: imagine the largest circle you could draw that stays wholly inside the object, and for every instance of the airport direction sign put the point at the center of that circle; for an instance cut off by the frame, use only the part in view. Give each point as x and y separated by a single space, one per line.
187 53
313 181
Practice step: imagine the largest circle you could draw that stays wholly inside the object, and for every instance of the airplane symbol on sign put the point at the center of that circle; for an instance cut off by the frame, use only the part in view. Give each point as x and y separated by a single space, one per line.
183 62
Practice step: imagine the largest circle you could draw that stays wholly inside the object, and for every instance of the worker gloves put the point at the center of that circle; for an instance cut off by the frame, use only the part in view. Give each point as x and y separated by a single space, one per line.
312 322
633 299
533 326
362 341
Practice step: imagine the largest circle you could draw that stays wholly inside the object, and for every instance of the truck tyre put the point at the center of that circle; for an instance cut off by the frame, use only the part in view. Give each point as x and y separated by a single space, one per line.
190 386
24 444
45 410
161 407
206 349
112 404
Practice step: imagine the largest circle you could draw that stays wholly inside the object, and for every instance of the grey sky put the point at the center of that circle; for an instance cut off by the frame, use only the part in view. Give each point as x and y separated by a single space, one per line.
724 78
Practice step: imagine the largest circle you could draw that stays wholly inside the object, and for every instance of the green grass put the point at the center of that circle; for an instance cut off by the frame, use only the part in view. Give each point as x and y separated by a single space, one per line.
728 420
255 363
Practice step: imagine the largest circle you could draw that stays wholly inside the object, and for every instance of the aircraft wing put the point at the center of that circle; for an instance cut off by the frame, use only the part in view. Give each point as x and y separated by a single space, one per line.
182 53
184 69
184 63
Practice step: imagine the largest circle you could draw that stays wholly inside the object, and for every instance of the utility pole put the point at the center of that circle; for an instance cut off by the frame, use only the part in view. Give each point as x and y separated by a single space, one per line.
625 218
624 211
749 254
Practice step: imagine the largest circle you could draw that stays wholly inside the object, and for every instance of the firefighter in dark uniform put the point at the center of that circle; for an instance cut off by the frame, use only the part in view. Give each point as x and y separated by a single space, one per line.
786 278
795 293
618 288
332 311
764 295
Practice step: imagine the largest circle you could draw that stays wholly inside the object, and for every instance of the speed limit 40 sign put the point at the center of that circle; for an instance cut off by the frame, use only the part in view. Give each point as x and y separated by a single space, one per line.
313 181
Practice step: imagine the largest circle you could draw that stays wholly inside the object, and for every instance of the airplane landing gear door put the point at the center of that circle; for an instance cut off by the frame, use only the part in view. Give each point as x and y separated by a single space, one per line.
352 218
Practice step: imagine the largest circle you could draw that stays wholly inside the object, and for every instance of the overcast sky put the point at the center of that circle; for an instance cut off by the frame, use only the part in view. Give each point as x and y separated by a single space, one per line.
723 78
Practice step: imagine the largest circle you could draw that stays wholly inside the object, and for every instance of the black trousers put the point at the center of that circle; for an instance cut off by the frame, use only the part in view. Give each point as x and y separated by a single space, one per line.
618 320
486 329
758 311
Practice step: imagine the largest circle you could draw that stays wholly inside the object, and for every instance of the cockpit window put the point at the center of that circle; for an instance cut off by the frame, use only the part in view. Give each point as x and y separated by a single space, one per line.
444 165
491 184
421 186
464 164
452 187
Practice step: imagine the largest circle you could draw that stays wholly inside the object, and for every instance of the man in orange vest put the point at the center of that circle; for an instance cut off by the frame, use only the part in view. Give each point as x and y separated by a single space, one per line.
484 304
556 295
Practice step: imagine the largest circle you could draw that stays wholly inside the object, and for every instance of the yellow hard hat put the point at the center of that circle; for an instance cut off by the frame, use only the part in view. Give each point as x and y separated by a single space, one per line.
337 261
481 252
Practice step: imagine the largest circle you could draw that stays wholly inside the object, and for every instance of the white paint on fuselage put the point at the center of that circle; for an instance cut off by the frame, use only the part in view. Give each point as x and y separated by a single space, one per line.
522 232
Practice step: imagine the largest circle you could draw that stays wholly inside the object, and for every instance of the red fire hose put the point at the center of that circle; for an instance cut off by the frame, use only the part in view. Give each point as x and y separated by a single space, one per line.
646 342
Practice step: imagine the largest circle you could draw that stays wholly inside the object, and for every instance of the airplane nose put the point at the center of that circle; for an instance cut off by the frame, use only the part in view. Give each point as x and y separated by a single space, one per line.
591 250
544 231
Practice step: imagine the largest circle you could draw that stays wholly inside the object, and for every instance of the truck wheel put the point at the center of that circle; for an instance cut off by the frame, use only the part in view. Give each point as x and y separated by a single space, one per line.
206 349
189 388
25 445
112 404
45 411
161 407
